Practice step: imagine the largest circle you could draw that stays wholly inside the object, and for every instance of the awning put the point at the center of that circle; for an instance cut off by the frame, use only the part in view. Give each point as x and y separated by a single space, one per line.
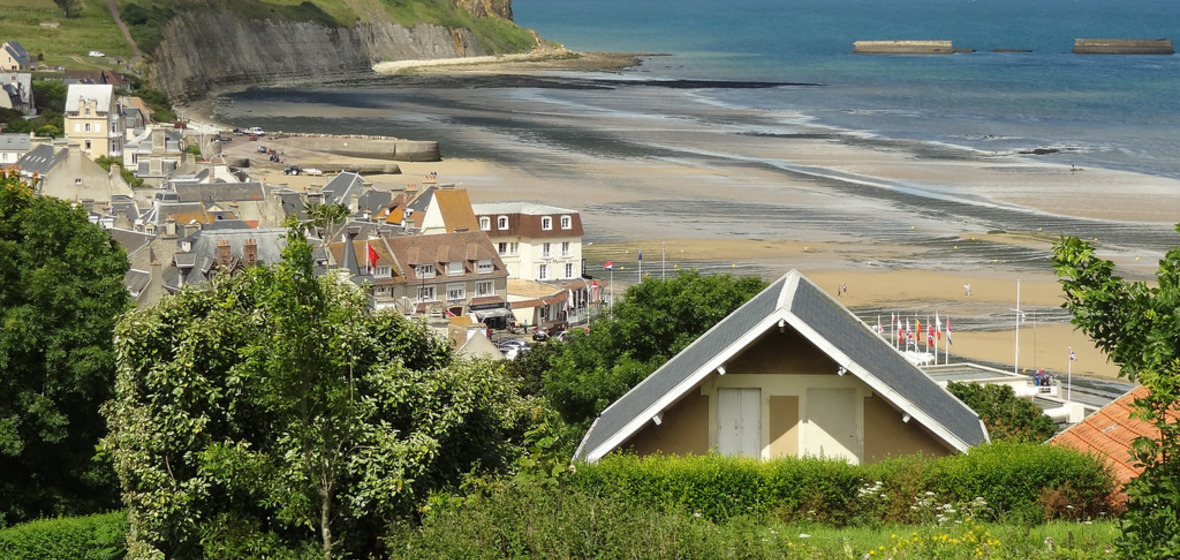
483 314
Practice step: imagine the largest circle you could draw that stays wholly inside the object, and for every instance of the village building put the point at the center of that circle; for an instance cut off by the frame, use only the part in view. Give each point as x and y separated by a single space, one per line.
93 120
14 57
13 147
18 93
537 242
791 373
68 174
155 155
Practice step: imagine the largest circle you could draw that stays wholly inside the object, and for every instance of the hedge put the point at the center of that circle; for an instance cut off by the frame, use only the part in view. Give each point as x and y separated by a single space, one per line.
92 537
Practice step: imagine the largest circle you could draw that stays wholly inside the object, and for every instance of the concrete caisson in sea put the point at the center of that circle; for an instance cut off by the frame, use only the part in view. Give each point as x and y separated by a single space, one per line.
1123 46
903 47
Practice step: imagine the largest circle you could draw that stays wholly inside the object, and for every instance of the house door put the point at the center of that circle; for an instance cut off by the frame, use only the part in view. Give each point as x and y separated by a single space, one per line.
831 429
739 415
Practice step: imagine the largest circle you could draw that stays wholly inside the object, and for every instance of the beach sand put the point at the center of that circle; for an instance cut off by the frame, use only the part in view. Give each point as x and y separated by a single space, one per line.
904 227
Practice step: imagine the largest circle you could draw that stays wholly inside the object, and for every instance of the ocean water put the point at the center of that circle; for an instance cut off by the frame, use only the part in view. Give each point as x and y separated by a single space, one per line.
1119 112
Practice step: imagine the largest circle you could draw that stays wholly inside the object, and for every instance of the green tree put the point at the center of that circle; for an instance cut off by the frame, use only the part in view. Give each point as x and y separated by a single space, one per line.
71 8
655 321
273 413
1007 417
1138 327
61 290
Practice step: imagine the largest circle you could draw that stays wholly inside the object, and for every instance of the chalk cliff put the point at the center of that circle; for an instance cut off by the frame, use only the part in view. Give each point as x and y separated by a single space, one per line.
205 49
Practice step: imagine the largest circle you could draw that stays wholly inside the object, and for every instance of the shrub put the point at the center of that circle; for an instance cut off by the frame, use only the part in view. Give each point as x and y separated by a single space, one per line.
1024 482
92 537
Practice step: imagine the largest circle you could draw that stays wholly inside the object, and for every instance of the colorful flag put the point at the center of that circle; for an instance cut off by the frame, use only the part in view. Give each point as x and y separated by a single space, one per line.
1072 357
610 265
372 255
641 254
938 326
919 329
929 334
948 331
880 330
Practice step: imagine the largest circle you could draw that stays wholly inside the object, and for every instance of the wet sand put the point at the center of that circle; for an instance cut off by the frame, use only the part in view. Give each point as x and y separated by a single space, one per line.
904 225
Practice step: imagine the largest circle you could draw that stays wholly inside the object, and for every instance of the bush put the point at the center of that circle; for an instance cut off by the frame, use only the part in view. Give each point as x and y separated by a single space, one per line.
92 537
1023 482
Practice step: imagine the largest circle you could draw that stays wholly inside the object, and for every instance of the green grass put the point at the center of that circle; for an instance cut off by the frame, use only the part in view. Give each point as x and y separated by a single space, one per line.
69 44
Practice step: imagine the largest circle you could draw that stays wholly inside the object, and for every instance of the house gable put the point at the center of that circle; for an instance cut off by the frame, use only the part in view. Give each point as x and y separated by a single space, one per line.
805 356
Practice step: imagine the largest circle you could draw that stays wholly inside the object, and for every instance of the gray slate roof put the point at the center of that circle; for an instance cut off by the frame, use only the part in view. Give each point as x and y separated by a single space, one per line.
41 160
342 187
827 324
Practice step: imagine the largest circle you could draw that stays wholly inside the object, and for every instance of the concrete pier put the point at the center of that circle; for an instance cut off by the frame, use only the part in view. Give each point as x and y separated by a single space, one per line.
903 47
1123 46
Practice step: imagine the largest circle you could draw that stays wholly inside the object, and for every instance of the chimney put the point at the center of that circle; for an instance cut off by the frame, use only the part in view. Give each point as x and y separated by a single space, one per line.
250 252
350 251
223 252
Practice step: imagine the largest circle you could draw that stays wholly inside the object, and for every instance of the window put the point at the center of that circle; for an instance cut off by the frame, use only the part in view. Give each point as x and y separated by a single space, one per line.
383 272
546 251
455 268
424 271
546 223
543 272
88 144
425 293
78 181
456 292
567 222
484 266
77 127
502 222
87 127
88 111
485 223
565 248
506 248
485 288
382 290
569 270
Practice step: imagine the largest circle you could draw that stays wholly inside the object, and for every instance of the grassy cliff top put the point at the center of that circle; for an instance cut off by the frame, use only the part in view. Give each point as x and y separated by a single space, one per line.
56 40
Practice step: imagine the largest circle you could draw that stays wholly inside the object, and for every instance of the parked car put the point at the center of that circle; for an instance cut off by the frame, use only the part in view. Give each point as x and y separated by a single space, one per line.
97 54
261 149
257 131
313 172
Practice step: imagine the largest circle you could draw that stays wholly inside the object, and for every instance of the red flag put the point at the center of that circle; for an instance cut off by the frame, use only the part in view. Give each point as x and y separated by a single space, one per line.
373 257
930 334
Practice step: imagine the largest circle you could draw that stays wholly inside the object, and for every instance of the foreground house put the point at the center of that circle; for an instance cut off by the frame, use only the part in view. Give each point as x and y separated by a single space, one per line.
1109 434
791 373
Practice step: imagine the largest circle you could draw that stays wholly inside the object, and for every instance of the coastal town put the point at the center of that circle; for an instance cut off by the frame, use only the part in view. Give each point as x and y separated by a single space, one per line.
324 345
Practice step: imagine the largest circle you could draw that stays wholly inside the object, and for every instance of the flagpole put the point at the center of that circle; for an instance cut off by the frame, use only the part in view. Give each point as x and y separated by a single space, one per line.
1069 377
641 266
663 269
611 311
1016 360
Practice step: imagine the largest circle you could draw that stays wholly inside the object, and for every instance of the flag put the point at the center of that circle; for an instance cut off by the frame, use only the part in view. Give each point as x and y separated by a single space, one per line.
610 265
938 326
908 333
1072 357
918 328
641 255
372 255
880 330
929 334
948 331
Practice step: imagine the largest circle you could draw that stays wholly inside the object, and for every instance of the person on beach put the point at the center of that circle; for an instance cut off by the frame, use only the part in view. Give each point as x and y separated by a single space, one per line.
967 289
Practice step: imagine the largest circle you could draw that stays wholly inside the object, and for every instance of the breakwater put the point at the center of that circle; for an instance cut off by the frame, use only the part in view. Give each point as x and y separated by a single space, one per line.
1123 46
903 47
374 147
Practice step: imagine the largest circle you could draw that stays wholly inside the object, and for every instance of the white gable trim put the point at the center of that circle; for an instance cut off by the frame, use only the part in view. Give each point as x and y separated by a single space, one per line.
863 373
682 388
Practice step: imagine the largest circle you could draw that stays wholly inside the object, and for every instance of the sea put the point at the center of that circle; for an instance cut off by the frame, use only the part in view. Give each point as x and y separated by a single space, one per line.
1112 111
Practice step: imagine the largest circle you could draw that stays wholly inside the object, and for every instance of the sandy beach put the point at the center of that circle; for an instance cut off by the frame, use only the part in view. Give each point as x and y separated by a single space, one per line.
905 226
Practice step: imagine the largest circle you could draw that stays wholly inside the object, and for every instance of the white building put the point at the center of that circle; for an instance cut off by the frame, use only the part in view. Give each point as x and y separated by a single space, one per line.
536 242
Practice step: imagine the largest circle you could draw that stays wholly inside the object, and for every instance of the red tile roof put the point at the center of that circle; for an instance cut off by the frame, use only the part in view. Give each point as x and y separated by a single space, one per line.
1109 432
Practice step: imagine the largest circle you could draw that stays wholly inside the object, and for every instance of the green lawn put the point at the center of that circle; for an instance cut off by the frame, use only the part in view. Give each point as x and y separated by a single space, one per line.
69 44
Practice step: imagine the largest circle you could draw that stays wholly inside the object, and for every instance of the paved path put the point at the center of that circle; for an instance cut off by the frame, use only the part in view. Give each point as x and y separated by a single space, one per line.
135 52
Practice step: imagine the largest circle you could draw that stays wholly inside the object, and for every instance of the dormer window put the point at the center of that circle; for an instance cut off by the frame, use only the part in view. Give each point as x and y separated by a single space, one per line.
455 268
484 266
382 272
546 223
424 271
567 222
485 224
502 222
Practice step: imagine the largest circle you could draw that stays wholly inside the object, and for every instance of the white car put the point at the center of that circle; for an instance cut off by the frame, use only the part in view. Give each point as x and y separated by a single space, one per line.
257 131
97 54
313 172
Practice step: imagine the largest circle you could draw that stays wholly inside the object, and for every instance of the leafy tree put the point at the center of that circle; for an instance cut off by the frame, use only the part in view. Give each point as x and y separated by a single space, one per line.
61 289
273 413
71 8
655 321
1007 417
1138 327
